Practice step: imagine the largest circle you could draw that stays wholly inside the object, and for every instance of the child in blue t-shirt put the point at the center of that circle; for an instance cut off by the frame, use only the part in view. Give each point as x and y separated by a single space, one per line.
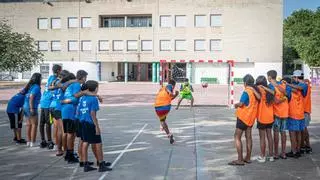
45 102
30 107
91 133
15 114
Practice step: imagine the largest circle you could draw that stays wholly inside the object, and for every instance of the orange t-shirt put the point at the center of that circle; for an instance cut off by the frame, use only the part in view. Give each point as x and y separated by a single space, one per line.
248 114
265 111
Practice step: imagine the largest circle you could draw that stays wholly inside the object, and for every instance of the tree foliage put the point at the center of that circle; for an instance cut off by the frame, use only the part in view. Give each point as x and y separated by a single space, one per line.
302 35
18 52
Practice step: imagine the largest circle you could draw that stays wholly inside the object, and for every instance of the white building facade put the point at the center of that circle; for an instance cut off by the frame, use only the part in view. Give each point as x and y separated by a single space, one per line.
125 40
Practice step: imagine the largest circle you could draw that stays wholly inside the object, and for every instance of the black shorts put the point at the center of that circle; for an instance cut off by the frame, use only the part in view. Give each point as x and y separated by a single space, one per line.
45 116
78 128
69 126
264 126
14 120
89 133
241 125
56 114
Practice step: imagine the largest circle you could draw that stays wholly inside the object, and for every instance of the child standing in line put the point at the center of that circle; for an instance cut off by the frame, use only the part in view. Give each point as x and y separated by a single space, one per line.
296 122
163 105
91 133
265 118
15 114
305 143
30 107
246 114
281 112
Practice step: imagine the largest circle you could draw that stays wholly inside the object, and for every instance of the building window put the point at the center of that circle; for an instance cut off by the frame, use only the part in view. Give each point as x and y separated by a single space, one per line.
103 45
26 75
139 21
165 45
146 45
55 23
86 22
200 20
73 45
43 45
180 45
181 21
117 45
132 45
112 21
199 45
72 22
215 20
86 45
55 46
42 23
44 71
215 45
165 21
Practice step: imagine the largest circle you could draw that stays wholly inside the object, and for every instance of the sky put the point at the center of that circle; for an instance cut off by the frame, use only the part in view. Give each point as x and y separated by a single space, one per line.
292 5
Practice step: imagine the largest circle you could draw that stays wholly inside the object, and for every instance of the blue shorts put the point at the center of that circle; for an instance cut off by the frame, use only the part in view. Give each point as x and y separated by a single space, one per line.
307 118
89 133
279 124
295 125
27 112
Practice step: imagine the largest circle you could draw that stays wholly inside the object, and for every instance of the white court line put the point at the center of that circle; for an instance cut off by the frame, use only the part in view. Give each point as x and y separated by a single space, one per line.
123 151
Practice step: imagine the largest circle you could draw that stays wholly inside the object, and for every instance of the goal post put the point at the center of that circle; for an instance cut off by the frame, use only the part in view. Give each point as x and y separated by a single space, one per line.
217 74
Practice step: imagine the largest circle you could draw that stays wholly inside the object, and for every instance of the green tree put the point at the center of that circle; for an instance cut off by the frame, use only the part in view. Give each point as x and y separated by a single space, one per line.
302 35
18 52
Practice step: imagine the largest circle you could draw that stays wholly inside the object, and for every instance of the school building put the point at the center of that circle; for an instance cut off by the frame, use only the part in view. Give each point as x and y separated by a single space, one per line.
125 40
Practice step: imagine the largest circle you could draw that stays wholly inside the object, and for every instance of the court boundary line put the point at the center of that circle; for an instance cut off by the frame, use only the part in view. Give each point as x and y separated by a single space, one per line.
123 151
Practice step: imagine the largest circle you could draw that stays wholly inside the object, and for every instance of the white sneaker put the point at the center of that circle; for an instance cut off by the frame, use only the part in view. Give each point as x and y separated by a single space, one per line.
28 144
271 159
32 144
261 159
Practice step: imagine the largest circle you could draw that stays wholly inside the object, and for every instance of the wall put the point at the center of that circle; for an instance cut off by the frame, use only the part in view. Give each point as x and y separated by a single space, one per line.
107 69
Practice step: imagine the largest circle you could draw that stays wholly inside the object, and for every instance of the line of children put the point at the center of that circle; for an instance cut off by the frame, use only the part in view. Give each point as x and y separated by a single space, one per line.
281 105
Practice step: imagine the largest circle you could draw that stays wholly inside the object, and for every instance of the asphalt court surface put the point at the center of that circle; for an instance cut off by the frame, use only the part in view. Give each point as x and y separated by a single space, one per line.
132 140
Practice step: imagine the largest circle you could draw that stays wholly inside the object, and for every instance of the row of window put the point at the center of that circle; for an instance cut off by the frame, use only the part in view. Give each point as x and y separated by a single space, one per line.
133 21
132 45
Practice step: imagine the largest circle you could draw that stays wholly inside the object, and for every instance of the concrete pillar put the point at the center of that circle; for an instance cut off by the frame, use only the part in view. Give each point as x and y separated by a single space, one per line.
189 72
158 72
154 72
125 72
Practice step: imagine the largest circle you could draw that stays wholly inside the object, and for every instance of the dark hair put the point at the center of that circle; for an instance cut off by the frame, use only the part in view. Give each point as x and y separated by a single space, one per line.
272 74
172 82
301 77
68 77
187 80
56 68
92 85
249 81
63 74
287 79
81 74
261 80
35 79
84 87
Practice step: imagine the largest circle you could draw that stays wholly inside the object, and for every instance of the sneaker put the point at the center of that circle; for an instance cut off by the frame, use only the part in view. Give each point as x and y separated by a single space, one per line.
15 139
72 159
302 150
171 139
50 145
82 164
261 159
21 141
103 167
271 159
88 168
32 144
28 144
105 163
297 155
67 156
43 144
308 150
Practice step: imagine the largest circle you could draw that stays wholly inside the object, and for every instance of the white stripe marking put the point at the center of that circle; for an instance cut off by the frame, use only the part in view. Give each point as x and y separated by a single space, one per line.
123 151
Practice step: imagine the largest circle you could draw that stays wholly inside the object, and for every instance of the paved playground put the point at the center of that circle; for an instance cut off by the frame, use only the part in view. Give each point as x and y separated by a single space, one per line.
139 150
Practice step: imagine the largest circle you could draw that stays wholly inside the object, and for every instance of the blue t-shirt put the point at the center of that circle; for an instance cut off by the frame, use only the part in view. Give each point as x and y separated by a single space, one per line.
68 111
16 102
304 88
55 95
47 94
169 88
34 90
245 98
87 104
